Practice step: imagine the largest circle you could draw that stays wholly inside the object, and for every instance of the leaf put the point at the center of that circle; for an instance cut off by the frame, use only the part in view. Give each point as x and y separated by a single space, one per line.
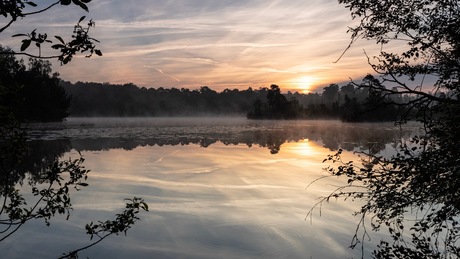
25 44
146 206
65 2
85 1
82 5
81 19
67 59
98 52
32 4
20 34
57 46
88 228
60 39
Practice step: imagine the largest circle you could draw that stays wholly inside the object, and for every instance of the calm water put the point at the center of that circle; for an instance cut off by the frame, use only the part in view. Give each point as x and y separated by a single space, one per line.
216 187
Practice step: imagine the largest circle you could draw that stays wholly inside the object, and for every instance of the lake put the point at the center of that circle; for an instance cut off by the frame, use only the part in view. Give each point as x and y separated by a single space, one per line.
216 187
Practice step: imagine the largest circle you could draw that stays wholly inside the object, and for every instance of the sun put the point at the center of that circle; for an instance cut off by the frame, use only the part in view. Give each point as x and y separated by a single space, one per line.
304 83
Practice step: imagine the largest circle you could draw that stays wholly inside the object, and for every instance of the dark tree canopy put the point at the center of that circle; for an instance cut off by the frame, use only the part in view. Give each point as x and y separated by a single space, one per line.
350 103
32 92
128 100
347 103
421 181
276 106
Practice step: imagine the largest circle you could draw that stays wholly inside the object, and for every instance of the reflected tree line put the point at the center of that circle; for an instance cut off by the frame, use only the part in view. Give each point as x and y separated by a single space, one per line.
351 138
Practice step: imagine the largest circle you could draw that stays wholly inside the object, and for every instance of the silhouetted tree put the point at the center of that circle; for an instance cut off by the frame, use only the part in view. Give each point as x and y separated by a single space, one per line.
331 94
423 176
258 108
277 106
276 101
32 93
351 110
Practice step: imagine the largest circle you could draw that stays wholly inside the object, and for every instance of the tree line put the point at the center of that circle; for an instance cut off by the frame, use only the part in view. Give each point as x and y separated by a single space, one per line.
124 100
348 102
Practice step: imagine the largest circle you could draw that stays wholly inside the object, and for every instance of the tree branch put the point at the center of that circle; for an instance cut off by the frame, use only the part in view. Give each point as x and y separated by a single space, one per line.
7 25
75 252
43 10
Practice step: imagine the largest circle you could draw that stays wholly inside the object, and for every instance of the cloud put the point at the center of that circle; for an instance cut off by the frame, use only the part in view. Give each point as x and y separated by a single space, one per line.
208 42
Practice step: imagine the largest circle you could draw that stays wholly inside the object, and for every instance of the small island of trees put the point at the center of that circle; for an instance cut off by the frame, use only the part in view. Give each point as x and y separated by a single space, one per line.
349 103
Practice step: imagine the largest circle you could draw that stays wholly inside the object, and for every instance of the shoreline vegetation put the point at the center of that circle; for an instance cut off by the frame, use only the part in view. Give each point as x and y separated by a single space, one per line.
347 103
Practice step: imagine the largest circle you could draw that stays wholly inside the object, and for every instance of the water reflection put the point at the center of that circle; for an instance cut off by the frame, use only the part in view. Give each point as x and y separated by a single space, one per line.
210 195
104 134
41 154
222 201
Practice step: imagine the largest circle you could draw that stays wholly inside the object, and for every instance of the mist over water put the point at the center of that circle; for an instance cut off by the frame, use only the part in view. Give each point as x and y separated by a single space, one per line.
216 187
129 132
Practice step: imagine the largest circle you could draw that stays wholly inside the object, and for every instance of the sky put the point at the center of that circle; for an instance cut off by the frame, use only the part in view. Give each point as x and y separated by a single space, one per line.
216 43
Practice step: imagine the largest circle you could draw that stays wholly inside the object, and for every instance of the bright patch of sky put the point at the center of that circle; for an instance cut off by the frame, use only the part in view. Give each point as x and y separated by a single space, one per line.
216 43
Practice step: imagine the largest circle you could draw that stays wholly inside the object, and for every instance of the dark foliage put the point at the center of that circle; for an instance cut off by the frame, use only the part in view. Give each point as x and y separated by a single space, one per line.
348 103
104 99
31 93
276 107
414 194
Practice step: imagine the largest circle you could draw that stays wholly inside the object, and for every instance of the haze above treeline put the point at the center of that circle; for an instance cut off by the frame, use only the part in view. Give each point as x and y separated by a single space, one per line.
34 93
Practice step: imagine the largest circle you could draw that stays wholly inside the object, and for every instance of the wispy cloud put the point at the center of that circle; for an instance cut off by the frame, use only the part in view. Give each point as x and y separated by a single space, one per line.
163 73
190 43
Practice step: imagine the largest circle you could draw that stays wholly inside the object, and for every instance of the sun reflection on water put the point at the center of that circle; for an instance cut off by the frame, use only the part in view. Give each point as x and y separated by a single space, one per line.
304 147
